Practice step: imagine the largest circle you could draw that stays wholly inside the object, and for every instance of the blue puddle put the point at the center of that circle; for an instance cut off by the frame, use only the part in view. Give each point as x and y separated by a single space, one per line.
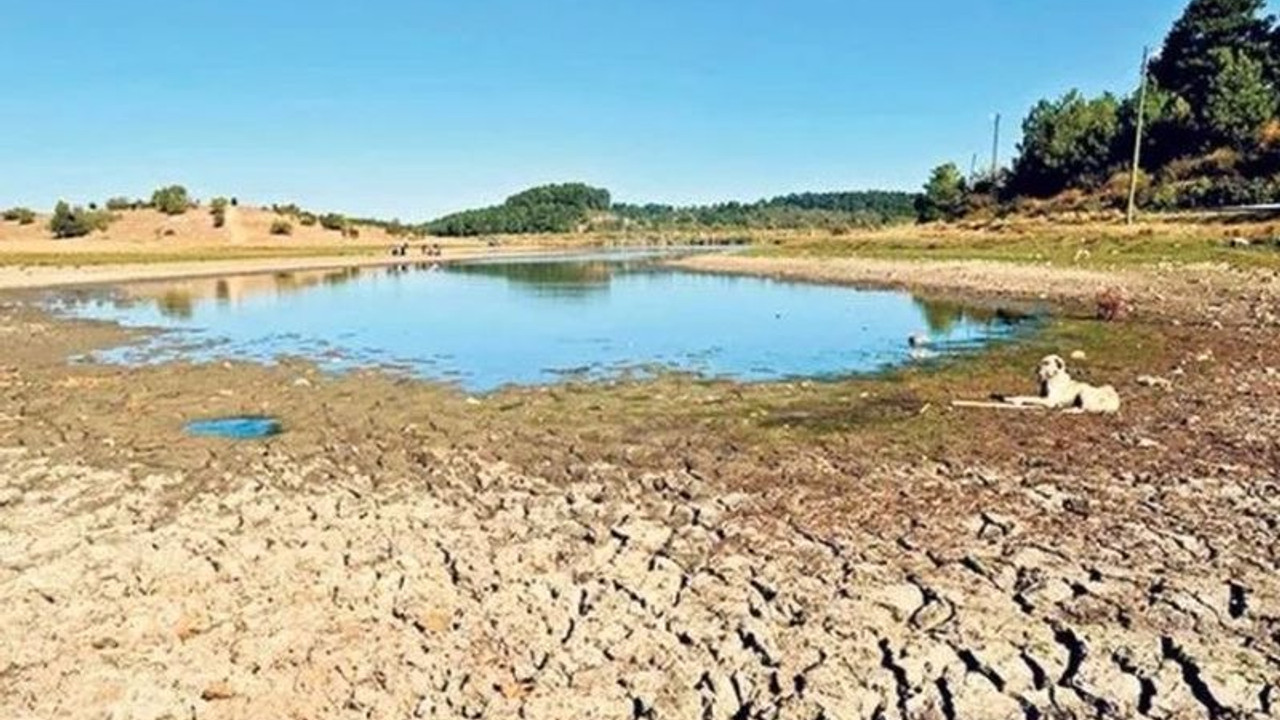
249 427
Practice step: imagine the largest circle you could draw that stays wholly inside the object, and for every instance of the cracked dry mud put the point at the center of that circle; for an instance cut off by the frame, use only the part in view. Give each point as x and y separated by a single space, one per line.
482 592
433 580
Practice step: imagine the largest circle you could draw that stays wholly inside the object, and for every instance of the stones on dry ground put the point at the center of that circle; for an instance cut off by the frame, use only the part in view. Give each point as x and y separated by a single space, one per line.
1155 381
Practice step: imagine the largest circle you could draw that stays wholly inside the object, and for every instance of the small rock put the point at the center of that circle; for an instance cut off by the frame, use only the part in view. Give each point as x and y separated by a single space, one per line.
1079 355
10 496
190 624
473 401
1149 444
1205 356
1155 381
220 690
302 382
1239 242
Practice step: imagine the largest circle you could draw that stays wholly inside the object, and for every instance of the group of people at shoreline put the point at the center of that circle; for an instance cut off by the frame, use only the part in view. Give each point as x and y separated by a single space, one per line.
429 250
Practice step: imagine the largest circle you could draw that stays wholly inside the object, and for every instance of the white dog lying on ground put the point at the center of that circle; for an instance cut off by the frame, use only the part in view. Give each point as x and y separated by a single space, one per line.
1059 391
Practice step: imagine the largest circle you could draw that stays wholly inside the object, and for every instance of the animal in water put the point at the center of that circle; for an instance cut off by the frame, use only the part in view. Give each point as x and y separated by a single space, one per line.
1059 391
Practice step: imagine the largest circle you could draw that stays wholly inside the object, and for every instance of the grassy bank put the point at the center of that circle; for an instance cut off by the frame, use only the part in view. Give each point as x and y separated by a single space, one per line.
1084 244
898 414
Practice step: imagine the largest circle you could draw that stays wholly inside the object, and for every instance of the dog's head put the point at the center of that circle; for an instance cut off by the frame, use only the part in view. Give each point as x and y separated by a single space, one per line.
1050 367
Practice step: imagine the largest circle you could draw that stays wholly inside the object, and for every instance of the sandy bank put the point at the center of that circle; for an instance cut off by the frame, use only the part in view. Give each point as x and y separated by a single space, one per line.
19 278
1178 293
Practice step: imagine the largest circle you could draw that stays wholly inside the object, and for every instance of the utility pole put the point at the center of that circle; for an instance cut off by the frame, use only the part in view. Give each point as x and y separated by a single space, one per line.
973 168
995 150
1137 142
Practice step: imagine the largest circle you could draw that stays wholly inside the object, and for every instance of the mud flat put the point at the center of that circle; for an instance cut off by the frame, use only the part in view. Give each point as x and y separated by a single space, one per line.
670 548
1182 293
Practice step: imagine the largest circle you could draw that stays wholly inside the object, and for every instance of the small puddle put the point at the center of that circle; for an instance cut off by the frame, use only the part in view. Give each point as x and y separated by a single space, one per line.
247 427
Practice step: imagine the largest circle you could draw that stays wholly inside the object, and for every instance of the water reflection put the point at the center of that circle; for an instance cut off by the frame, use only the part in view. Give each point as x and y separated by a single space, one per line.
177 299
559 279
943 316
594 316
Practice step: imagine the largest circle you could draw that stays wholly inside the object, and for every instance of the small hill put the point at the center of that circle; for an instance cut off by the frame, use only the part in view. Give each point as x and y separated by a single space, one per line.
145 230
576 207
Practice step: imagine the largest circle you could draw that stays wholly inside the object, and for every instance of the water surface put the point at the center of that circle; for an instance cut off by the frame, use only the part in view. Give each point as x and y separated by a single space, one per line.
529 321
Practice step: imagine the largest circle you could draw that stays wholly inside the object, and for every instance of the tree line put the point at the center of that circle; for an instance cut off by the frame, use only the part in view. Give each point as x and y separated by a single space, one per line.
559 208
1211 137
831 210
575 206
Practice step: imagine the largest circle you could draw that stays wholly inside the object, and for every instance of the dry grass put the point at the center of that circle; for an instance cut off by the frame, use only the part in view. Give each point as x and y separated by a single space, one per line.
1063 240
147 236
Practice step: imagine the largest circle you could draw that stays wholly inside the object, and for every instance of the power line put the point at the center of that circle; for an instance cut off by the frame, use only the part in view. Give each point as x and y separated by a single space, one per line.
1137 141
995 149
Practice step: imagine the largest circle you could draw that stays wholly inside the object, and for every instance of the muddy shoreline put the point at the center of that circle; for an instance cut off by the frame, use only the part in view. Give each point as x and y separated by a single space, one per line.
669 548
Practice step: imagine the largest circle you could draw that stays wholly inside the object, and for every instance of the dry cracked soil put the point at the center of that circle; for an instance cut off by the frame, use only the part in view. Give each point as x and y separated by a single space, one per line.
404 559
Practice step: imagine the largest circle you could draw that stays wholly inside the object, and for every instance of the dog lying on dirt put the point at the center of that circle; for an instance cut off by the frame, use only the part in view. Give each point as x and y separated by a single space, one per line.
1059 391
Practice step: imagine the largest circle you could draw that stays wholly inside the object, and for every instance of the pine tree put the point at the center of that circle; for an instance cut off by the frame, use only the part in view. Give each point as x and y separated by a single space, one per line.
1191 59
1240 100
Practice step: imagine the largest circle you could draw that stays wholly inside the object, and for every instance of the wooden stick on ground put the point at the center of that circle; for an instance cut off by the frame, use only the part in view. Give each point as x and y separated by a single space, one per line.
994 405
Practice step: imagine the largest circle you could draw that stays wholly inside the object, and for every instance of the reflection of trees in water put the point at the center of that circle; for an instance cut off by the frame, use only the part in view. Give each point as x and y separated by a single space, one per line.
943 316
176 304
287 282
341 277
178 299
557 278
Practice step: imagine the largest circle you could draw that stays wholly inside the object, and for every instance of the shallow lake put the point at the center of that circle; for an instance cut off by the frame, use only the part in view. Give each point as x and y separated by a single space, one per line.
487 323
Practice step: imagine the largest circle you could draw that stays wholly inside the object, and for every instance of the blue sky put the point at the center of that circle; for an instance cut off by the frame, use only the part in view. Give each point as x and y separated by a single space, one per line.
412 108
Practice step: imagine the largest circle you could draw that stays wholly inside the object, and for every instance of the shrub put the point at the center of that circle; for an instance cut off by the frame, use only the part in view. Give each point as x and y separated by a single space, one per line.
172 200
333 221
117 204
71 222
1115 191
218 209
20 215
351 231
307 219
944 195
1112 305
281 227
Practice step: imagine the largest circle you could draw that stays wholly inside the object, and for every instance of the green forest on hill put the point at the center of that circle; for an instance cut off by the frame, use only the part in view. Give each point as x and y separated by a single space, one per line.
576 207
1211 136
